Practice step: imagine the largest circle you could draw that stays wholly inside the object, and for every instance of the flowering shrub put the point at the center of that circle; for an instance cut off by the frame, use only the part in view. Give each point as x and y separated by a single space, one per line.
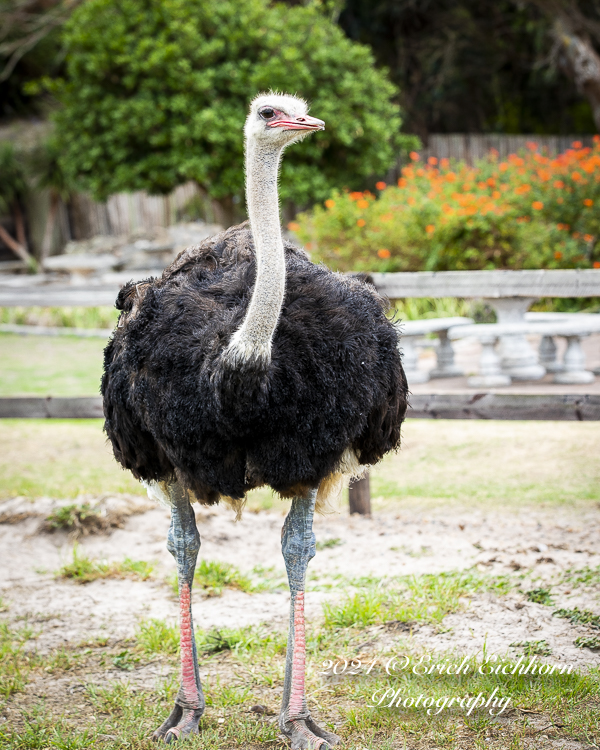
529 211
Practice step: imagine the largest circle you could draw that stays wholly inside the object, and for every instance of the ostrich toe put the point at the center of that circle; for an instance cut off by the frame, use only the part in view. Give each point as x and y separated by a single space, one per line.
182 722
306 735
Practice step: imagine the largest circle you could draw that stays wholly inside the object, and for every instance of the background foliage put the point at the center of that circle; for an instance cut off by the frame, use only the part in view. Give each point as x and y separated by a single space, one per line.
530 211
156 94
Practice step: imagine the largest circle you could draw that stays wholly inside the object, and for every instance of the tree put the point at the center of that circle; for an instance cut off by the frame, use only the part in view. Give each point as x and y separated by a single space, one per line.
13 186
156 93
47 169
575 27
472 66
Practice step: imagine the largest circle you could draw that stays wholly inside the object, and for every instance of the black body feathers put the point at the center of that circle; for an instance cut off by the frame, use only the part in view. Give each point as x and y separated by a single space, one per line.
174 409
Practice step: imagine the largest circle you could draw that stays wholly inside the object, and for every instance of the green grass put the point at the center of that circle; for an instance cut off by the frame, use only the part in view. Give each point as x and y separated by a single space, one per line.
15 664
479 463
72 516
249 663
579 616
61 317
540 596
529 648
157 637
426 598
586 576
82 569
214 576
49 365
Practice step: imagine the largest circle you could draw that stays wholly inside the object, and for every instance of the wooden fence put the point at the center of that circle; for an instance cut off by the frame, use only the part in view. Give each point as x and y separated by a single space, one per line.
470 147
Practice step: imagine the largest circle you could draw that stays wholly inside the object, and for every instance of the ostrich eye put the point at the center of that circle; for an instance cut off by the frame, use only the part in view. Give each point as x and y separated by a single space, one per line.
267 113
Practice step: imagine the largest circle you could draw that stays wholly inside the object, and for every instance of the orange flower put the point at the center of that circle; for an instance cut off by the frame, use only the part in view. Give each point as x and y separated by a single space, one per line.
386 217
362 203
491 181
596 139
557 255
402 182
522 189
450 177
532 145
432 160
588 237
444 163
563 226
380 185
420 173
559 184
430 228
588 202
577 144
575 176
597 264
330 203
356 196
496 194
414 156
361 222
383 253
293 226
538 205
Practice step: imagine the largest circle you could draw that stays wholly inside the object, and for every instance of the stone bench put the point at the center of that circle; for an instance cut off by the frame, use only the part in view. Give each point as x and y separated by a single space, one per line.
508 293
491 371
413 330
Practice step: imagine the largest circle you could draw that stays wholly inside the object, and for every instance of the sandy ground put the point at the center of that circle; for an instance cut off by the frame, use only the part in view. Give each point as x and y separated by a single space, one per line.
541 543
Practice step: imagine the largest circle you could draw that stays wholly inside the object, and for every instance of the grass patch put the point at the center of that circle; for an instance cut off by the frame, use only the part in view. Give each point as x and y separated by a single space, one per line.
540 596
539 648
425 598
586 576
83 569
579 616
213 577
157 637
328 543
72 517
591 641
15 663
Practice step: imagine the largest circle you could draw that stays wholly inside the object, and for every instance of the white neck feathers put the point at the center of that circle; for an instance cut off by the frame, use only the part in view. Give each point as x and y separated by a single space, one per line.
252 341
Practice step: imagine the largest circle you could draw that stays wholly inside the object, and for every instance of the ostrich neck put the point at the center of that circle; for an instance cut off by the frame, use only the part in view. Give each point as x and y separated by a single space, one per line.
252 341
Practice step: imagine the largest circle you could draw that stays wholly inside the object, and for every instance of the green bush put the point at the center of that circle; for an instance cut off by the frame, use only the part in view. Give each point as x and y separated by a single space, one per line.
529 211
157 91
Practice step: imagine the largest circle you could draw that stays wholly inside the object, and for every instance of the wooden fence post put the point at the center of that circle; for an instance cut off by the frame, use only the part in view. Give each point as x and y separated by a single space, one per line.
359 496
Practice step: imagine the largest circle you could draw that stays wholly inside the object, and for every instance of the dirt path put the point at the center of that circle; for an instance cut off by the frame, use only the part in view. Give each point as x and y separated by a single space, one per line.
540 544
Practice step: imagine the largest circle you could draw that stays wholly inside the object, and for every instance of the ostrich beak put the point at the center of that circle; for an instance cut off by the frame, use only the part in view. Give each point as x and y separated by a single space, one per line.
305 122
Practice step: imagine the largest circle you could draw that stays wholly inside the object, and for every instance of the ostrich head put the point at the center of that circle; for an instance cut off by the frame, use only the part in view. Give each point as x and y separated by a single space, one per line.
278 120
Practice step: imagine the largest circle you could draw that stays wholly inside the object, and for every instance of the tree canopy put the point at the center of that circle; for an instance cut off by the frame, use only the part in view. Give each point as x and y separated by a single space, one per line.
156 93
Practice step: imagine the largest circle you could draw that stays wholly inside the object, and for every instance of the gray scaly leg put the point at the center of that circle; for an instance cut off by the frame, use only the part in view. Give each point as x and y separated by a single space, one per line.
183 542
298 547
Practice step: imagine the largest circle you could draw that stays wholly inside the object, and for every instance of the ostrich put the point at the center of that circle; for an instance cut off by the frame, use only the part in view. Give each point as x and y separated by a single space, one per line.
244 365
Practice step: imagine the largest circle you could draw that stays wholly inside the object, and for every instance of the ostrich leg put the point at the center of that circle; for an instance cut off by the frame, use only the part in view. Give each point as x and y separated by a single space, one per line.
298 547
183 542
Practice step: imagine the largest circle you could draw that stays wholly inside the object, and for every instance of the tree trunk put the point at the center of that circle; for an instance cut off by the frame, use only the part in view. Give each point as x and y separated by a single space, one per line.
15 246
49 228
20 226
581 63
359 496
224 211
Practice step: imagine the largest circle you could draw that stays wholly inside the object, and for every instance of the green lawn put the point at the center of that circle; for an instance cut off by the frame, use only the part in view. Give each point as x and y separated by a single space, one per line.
442 462
49 365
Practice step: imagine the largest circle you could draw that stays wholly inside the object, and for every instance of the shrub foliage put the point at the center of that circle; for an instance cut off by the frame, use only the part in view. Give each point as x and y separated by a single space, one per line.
529 211
157 91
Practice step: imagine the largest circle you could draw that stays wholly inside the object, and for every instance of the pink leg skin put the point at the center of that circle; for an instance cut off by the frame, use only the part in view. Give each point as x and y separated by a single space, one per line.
184 542
295 720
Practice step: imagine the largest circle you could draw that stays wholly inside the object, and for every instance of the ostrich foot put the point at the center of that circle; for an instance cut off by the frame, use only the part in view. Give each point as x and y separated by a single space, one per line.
181 722
306 735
